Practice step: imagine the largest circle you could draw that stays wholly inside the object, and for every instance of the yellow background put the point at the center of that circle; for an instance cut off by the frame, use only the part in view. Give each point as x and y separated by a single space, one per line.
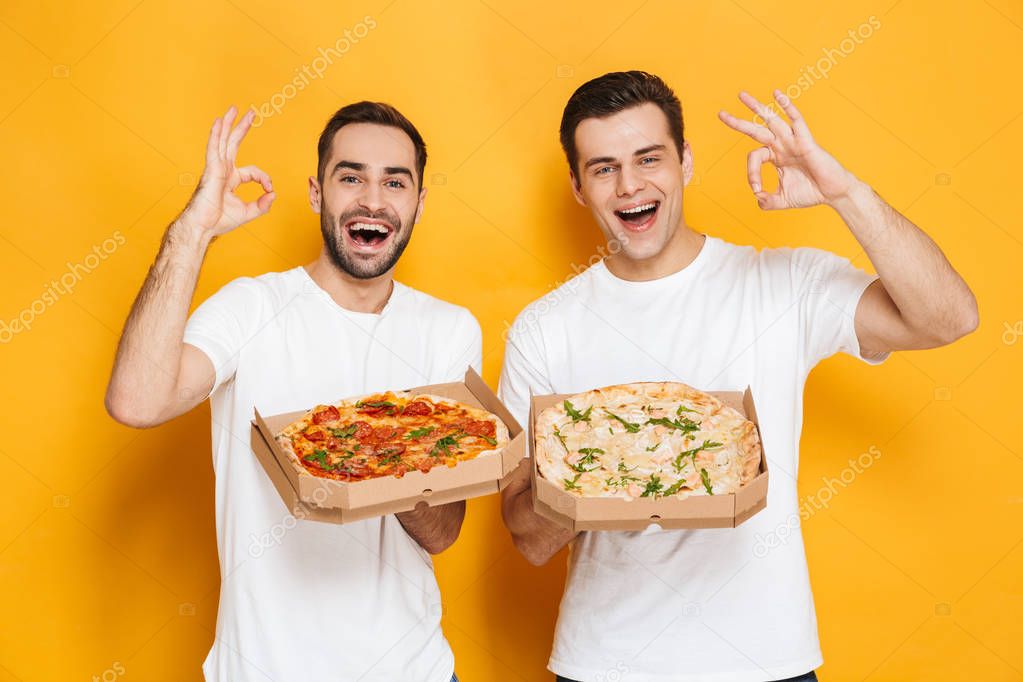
107 548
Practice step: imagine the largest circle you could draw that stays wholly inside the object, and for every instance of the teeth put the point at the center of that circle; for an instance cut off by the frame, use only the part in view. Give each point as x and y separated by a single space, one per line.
638 209
372 227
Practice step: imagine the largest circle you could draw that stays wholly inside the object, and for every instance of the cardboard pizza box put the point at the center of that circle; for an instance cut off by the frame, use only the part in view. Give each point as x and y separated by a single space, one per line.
323 499
614 513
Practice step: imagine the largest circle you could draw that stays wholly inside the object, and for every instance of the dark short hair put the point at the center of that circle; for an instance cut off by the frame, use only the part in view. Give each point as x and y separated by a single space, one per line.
369 112
614 92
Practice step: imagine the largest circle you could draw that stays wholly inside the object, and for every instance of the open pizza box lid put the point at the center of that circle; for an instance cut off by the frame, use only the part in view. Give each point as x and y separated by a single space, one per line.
614 513
323 499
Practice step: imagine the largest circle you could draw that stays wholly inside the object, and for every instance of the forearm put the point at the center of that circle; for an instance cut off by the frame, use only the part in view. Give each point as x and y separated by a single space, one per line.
144 378
931 297
536 538
434 528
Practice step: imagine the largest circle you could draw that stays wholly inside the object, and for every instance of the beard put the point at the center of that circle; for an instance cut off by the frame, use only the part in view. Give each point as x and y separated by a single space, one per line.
360 267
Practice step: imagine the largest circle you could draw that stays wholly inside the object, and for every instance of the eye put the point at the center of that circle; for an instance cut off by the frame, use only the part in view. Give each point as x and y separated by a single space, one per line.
647 160
395 184
350 179
604 170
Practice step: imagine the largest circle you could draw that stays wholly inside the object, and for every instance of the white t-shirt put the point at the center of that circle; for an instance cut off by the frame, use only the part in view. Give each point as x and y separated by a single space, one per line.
701 605
301 599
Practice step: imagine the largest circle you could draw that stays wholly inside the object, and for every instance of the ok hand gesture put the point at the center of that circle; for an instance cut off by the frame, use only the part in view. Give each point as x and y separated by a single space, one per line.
807 175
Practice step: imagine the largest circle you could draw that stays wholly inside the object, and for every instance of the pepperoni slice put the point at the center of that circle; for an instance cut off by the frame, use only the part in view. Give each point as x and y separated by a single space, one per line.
425 464
417 408
480 427
327 414
382 434
362 431
316 435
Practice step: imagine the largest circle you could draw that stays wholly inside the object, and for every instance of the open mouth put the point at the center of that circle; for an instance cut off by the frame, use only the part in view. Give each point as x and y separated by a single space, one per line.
368 235
640 216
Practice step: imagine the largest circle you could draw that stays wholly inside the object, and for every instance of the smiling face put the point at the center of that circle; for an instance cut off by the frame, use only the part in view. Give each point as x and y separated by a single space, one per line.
631 178
368 199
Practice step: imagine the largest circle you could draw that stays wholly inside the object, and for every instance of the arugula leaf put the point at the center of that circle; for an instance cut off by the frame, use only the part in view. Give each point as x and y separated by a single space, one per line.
572 484
589 457
629 426
446 443
419 433
374 403
679 464
683 424
492 441
651 448
624 469
561 437
318 456
653 486
621 481
576 415
346 432
681 409
389 459
674 487
706 481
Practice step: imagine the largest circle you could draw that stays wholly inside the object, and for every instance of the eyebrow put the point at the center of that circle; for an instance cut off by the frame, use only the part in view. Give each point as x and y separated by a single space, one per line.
638 152
356 166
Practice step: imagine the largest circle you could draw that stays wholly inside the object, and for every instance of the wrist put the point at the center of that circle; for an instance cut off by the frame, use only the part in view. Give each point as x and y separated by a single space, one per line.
854 195
187 233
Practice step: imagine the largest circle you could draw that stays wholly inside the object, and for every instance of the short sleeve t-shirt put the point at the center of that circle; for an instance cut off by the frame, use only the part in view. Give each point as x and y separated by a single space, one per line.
302 599
696 605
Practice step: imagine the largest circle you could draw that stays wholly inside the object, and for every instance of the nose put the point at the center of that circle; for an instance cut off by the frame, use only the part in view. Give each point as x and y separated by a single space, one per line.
372 197
629 181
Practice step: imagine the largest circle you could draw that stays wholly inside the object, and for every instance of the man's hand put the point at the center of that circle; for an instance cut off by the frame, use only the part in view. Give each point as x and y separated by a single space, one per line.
156 375
807 175
920 300
214 208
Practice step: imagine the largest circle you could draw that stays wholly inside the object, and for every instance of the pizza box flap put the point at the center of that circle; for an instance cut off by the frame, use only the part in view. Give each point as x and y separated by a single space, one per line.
341 501
611 513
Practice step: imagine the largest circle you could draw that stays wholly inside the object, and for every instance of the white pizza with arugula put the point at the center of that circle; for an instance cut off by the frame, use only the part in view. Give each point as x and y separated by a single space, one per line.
647 439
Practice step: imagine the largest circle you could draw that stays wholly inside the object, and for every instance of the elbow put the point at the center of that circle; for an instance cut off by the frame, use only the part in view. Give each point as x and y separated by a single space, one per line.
127 412
966 322
534 554
438 545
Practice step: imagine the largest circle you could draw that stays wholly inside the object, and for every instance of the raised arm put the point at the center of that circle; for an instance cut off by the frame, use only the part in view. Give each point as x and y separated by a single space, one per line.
156 376
920 300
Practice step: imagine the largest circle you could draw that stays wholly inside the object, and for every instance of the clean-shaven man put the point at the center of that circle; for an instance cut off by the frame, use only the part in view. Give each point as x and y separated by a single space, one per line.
319 602
674 304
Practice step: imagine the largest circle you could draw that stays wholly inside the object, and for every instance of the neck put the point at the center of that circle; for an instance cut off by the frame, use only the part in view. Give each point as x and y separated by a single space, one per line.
681 250
351 293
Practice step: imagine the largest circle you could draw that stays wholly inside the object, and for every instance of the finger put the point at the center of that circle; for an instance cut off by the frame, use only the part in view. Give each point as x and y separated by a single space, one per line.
754 161
775 123
771 202
757 132
213 144
238 134
259 207
255 174
798 124
226 129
